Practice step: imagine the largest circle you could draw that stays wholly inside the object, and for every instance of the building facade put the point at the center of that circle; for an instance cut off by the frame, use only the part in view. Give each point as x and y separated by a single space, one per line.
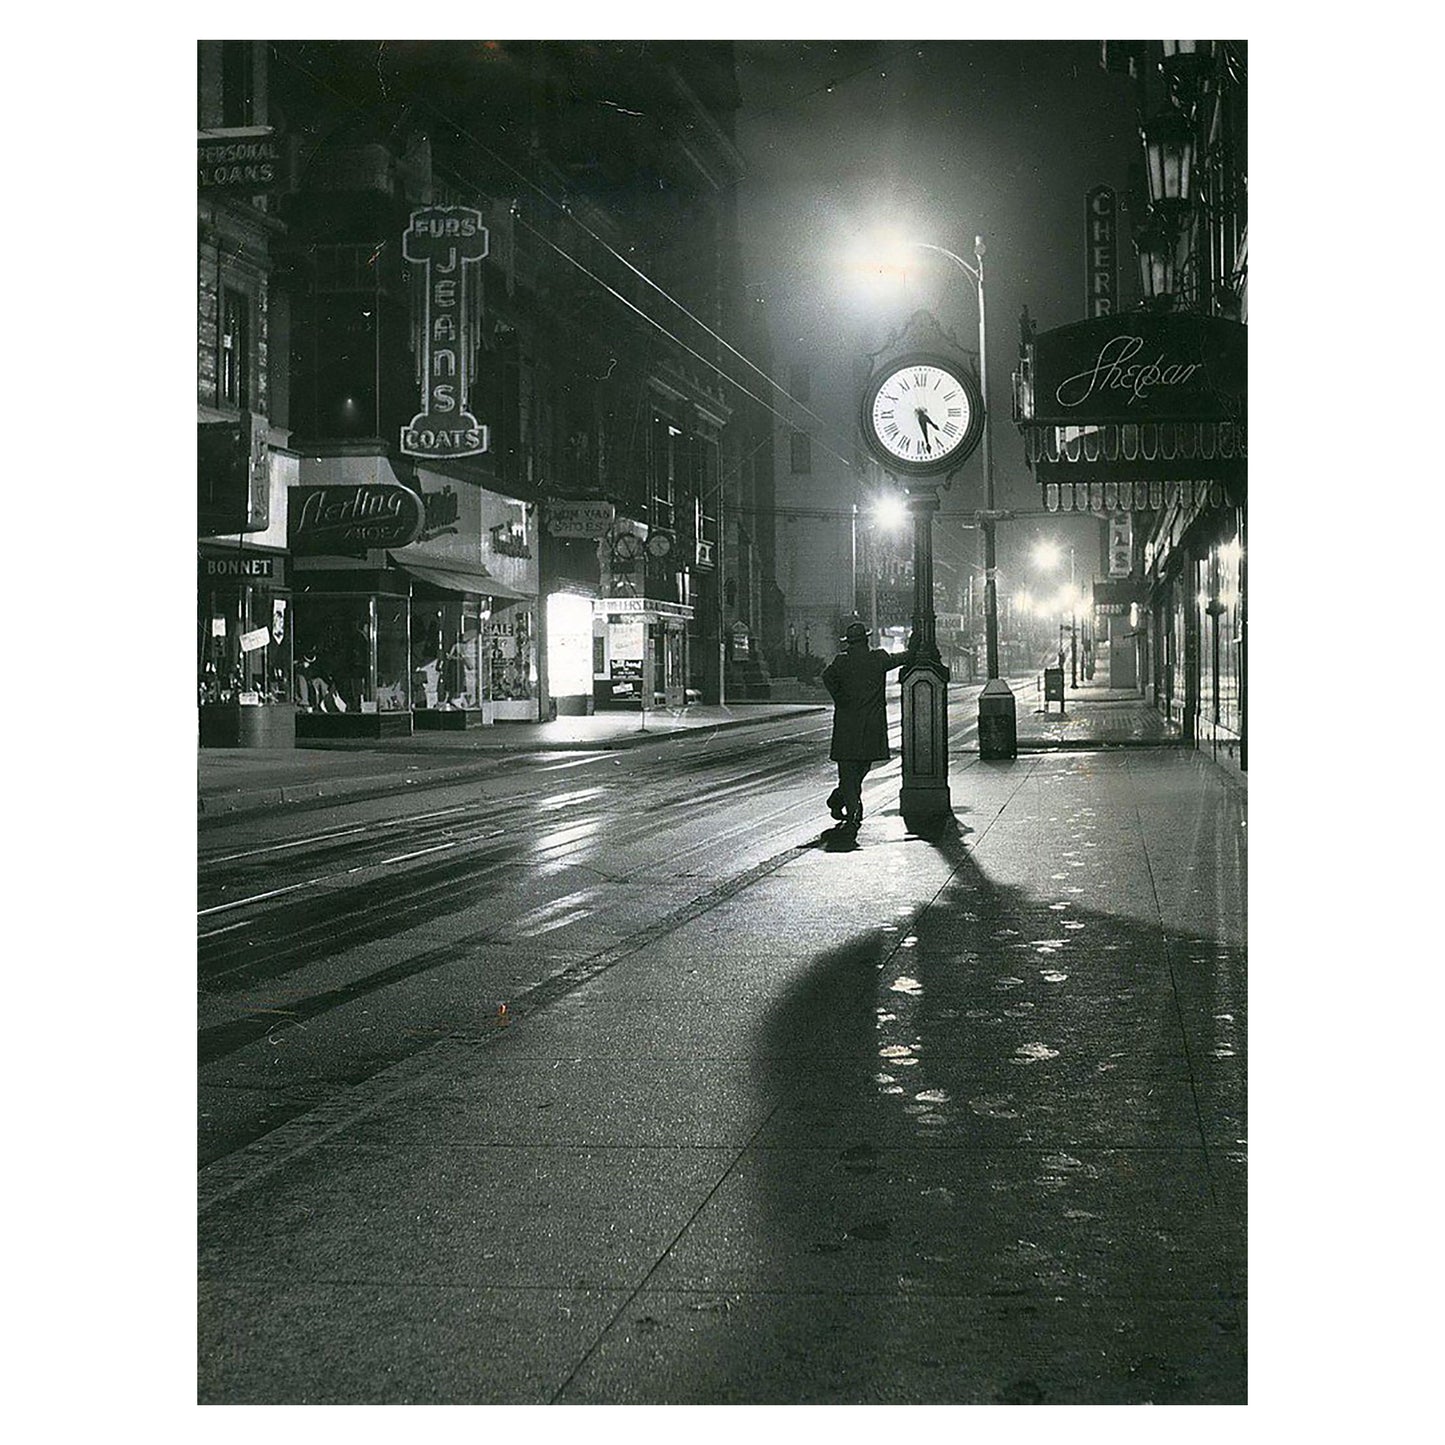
488 286
1140 416
244 616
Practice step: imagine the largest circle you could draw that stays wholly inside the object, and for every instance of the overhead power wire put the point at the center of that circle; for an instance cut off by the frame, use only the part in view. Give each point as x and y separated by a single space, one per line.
829 86
631 306
581 225
421 101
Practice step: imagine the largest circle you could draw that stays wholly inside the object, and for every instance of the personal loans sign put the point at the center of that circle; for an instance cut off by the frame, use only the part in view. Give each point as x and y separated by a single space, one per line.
444 247
242 159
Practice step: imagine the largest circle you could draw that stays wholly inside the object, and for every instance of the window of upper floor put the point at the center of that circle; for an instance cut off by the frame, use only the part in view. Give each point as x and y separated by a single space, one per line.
238 82
233 371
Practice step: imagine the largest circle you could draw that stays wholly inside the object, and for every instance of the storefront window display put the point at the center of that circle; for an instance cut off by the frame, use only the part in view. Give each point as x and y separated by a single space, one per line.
244 644
569 651
626 652
510 656
1230 622
352 654
1175 660
446 642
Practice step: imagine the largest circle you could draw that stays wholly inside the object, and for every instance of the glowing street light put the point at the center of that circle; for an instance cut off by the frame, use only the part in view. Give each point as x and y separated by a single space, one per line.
1071 600
887 513
890 512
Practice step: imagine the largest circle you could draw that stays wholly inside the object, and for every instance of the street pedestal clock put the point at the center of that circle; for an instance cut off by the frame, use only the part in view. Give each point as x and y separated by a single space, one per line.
922 417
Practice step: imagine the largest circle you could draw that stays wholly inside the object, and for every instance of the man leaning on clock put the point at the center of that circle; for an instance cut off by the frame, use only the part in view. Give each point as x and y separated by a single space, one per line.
856 680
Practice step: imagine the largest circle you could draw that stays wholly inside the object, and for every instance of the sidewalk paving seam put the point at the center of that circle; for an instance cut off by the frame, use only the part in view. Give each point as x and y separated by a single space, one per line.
663 1254
235 1171
226 1176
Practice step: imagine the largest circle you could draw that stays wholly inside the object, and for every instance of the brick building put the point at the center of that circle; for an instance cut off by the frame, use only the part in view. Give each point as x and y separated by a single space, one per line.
590 543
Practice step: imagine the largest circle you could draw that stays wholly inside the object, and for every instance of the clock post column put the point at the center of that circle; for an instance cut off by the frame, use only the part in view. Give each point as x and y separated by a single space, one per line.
925 683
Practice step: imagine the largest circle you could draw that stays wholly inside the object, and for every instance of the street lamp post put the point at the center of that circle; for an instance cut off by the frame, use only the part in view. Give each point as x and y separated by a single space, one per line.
887 514
853 555
1047 555
997 711
1073 636
1073 622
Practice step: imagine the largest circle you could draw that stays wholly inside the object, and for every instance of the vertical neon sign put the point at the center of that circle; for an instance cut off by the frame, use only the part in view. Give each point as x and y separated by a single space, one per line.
445 244
1101 274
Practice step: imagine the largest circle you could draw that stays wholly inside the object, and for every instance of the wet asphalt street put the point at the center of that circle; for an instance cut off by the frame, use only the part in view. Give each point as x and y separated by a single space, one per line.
335 941
620 1077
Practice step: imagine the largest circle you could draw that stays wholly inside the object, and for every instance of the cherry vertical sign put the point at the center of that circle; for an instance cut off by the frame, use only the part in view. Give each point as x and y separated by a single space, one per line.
1101 271
444 246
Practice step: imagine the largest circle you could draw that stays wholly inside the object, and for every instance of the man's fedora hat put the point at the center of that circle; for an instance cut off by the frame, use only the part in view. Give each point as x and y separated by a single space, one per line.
856 633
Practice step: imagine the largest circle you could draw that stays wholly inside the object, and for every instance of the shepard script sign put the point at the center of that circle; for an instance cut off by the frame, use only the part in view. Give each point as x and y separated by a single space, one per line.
1136 368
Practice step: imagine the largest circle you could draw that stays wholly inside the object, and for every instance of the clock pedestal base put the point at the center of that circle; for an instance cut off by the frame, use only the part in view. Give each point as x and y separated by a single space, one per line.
925 742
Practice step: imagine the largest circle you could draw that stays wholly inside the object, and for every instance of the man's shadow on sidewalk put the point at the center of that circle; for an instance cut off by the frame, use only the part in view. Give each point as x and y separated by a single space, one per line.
999 1168
839 839
941 829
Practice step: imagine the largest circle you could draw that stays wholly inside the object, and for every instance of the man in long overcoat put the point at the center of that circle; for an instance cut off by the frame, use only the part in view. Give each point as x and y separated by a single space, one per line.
856 680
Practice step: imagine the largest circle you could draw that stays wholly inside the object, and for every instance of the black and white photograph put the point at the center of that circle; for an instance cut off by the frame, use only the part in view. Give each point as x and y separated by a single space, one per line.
722 699
688 770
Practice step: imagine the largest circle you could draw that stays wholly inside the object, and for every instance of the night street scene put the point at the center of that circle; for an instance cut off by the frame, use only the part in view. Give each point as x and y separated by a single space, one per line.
721 643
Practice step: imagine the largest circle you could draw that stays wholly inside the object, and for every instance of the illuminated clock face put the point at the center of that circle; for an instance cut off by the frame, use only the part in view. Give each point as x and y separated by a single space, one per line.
922 416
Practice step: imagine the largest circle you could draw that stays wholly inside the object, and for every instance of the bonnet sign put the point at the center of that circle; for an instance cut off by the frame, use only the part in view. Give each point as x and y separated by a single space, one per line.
444 245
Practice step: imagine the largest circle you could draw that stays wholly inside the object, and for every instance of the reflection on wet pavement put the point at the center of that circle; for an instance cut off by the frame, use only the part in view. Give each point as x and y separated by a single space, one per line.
1054 1101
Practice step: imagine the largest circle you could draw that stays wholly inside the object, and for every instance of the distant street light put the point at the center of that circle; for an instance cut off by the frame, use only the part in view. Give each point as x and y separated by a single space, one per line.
1048 555
890 512
887 513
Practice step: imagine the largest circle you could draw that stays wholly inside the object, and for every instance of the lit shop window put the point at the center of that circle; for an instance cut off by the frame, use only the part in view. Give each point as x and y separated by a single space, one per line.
446 641
569 644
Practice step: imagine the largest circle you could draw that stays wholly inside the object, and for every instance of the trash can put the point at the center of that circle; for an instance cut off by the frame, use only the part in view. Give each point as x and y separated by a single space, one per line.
997 721
1054 687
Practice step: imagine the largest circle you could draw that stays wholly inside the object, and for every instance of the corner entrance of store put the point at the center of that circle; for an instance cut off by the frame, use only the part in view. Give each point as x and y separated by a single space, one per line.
640 652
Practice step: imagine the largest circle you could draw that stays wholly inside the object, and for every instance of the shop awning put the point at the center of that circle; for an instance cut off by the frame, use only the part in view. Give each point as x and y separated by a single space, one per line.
1133 411
1134 369
649 609
457 576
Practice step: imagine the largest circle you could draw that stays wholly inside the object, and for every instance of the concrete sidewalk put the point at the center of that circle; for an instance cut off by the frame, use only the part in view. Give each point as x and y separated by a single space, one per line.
949 1119
1093 714
238 780
234 780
